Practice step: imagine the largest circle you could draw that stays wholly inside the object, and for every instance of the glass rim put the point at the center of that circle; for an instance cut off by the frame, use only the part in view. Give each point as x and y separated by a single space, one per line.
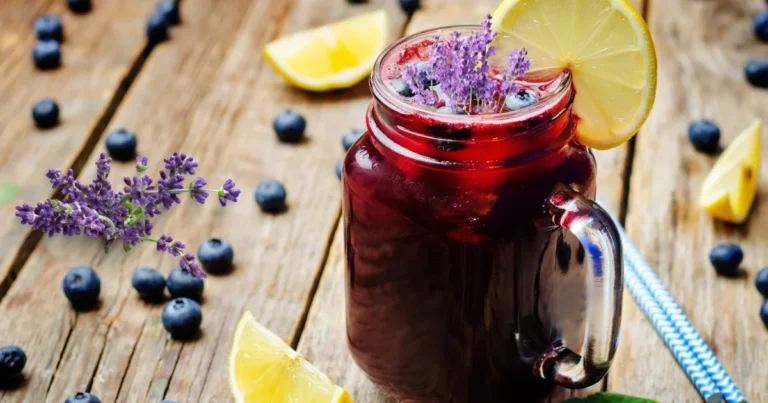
384 94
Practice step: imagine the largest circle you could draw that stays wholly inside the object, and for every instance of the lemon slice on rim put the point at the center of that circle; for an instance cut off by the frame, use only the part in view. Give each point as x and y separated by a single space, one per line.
606 46
333 56
263 369
730 188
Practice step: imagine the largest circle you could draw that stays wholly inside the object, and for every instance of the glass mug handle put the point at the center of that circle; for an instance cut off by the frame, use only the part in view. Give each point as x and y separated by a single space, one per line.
597 232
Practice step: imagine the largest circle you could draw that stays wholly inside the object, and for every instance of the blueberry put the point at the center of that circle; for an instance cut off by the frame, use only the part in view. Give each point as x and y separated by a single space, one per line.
12 361
764 313
402 88
270 196
181 318
521 100
170 10
121 145
45 112
410 6
350 137
216 255
761 282
356 1
157 28
49 27
167 401
760 25
149 283
726 259
757 73
339 168
79 6
705 136
289 127
82 397
82 286
448 111
47 54
183 284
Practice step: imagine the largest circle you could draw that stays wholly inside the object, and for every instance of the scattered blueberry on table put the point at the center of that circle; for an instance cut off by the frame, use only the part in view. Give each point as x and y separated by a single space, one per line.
757 73
45 112
47 54
82 287
82 397
270 196
290 126
410 6
49 27
705 136
760 25
121 145
149 283
401 87
79 6
12 361
764 313
339 168
357 1
521 100
726 259
182 283
181 318
761 282
350 137
170 10
167 401
216 255
157 28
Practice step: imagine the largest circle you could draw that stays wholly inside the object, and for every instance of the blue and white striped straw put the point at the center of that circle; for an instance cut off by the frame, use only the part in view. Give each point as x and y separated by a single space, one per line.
674 341
637 266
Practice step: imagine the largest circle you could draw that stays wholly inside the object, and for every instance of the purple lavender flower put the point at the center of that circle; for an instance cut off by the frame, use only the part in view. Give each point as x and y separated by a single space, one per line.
460 72
97 211
228 192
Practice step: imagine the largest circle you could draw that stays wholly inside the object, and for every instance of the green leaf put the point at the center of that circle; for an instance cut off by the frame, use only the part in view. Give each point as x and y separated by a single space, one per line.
604 397
8 192
127 248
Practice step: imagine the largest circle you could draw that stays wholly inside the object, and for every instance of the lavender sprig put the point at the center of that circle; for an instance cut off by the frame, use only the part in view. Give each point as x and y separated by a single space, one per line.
97 211
459 73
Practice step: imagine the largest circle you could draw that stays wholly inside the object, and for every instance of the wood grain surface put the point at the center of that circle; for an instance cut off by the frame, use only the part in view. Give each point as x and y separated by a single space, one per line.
99 52
206 92
702 47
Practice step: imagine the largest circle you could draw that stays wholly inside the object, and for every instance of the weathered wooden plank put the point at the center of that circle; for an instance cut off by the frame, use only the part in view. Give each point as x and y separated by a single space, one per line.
701 60
206 92
99 51
324 338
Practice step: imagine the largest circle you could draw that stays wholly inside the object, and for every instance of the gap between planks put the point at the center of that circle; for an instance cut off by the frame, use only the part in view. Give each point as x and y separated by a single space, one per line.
92 139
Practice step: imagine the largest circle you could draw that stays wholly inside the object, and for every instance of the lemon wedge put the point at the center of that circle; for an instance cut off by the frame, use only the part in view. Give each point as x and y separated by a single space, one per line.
264 369
730 188
333 56
606 46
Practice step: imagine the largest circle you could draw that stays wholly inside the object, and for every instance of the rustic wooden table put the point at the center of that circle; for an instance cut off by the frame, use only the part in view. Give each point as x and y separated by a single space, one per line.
209 92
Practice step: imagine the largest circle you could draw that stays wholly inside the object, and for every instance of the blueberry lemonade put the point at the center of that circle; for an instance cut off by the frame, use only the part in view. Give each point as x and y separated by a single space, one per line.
479 268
